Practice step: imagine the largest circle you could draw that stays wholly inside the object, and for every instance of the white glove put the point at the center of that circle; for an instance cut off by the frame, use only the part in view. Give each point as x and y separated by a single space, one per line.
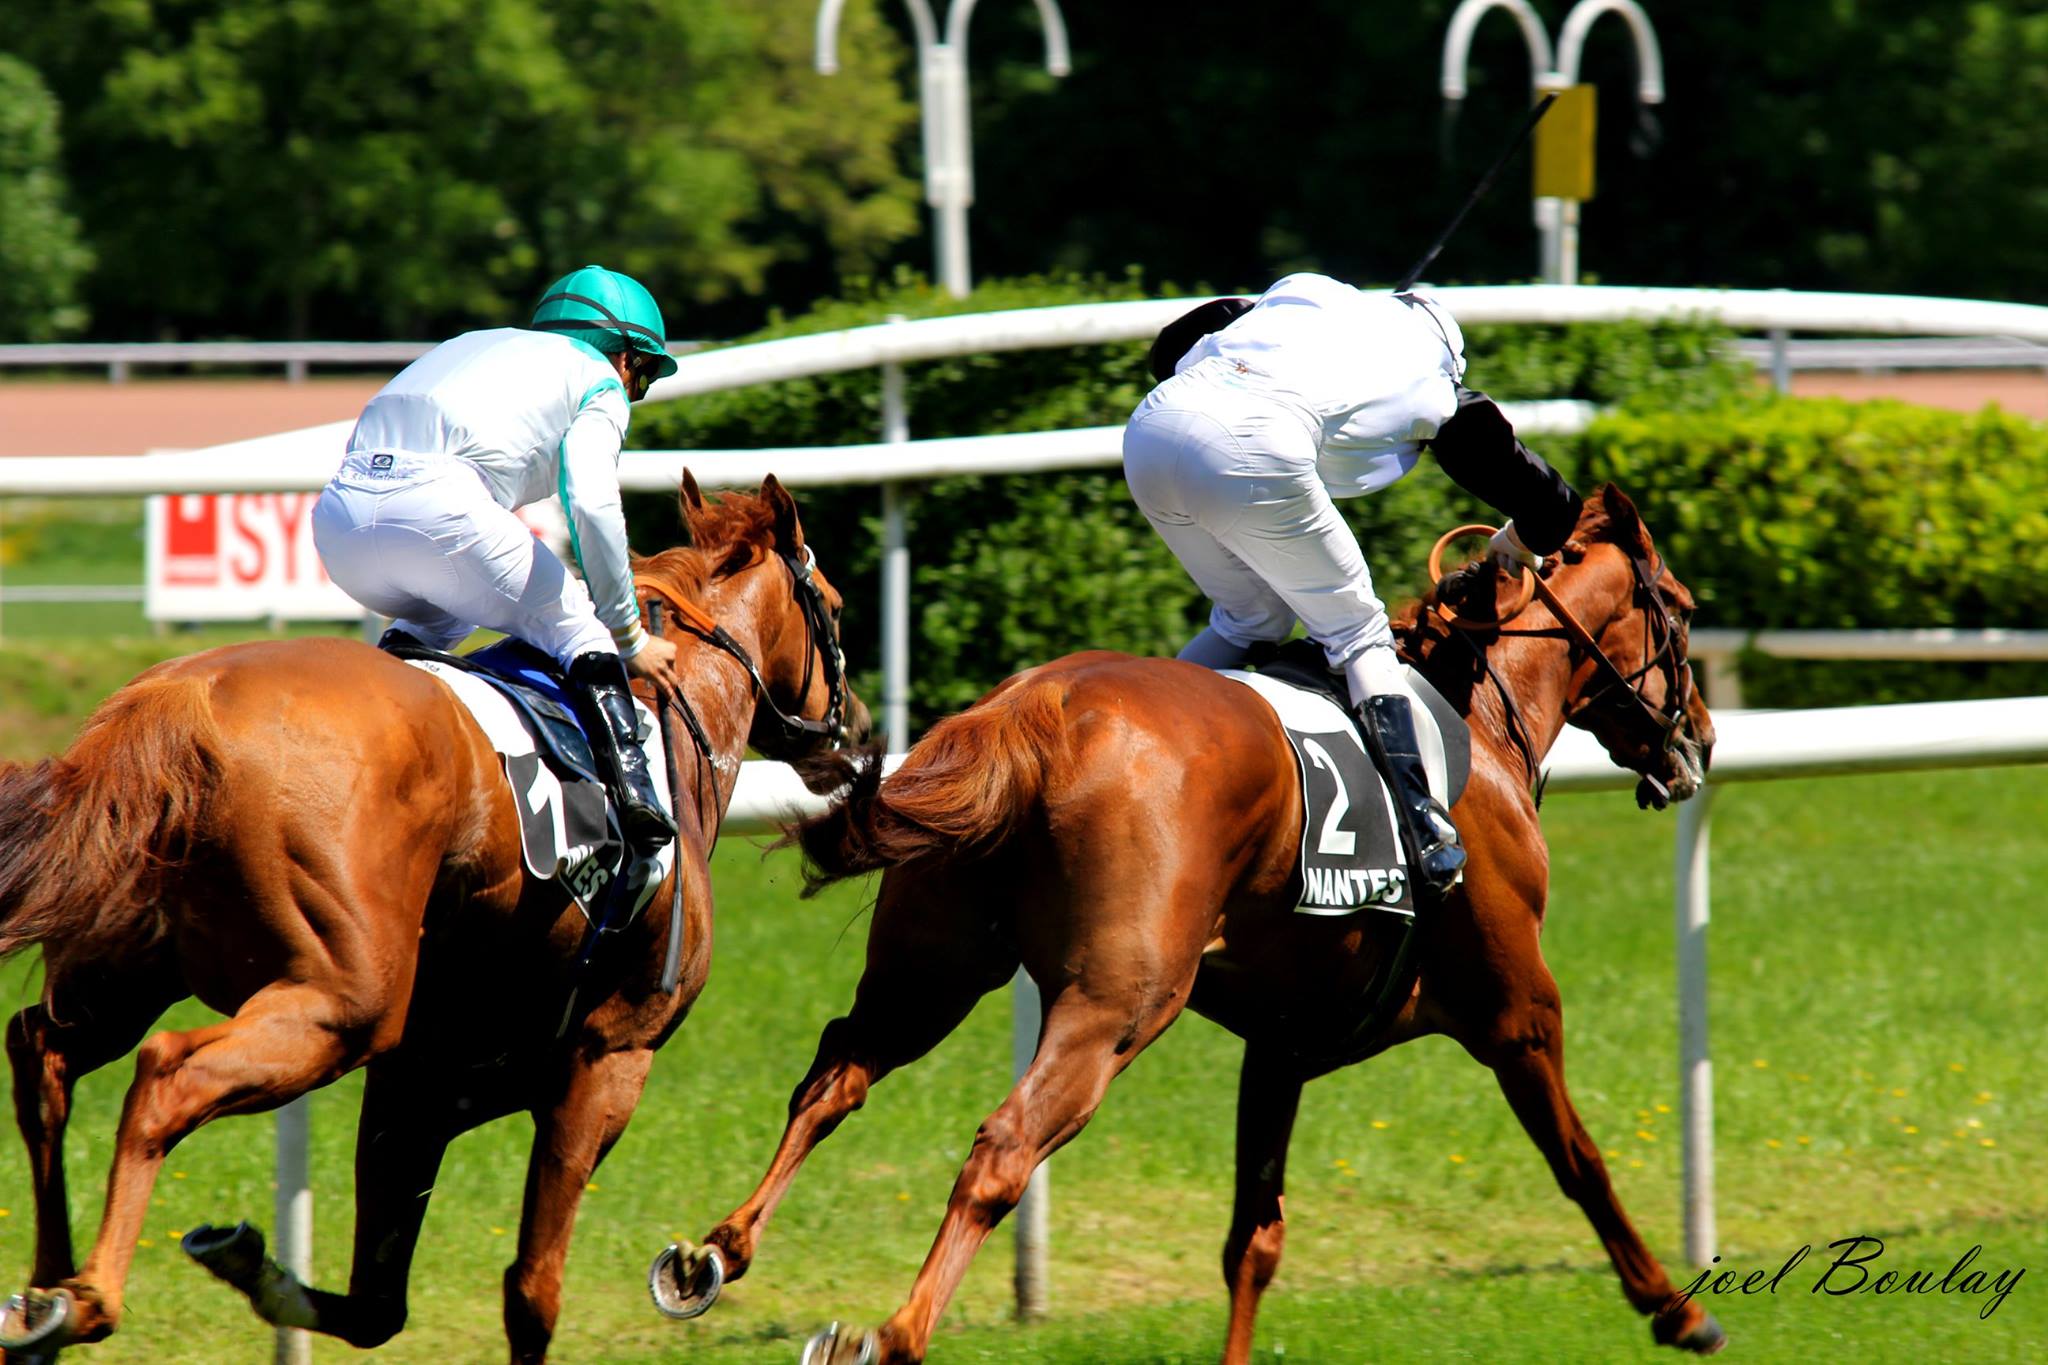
1507 550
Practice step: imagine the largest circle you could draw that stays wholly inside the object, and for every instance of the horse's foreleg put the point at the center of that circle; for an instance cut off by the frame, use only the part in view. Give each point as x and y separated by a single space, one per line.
284 1041
49 1053
1527 1058
570 1137
1268 1095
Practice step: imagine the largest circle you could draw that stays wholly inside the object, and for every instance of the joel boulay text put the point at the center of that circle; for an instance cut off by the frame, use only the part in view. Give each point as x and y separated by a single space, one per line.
1853 1265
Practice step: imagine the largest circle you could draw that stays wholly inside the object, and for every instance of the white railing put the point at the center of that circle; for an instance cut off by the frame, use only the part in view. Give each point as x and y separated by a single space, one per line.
297 357
1897 353
120 357
269 465
1717 650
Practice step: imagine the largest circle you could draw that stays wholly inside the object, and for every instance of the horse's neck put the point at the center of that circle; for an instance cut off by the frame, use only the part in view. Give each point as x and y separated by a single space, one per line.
1535 671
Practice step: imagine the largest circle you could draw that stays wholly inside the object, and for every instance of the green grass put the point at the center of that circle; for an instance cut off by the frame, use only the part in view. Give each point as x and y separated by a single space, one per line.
1877 955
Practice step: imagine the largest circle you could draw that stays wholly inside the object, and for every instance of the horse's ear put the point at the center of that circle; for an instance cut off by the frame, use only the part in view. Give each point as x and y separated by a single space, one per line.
1622 517
689 502
789 531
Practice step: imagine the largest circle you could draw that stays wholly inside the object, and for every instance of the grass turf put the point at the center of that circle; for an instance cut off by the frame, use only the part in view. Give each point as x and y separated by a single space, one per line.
1876 966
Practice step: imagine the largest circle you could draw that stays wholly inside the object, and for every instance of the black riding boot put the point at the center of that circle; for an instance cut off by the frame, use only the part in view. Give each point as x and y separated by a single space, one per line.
1388 725
616 740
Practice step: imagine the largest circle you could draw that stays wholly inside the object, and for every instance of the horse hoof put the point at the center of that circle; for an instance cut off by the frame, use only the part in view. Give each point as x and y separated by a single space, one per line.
823 1349
34 1326
234 1254
1706 1337
684 1284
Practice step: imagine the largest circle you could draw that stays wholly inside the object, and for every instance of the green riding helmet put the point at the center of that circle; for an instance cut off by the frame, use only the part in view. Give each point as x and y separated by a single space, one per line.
607 310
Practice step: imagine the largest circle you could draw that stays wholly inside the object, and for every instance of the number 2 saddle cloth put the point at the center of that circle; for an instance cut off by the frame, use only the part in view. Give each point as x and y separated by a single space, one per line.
566 829
1351 854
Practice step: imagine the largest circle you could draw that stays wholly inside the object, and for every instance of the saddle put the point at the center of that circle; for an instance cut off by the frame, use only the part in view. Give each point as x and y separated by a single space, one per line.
569 831
533 683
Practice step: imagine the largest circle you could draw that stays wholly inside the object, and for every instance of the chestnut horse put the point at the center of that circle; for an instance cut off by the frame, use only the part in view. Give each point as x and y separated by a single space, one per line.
317 841
1015 832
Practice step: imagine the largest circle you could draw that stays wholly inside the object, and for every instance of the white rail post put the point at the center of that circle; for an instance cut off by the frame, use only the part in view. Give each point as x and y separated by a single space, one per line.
1695 1066
294 1248
895 571
1034 1210
1781 360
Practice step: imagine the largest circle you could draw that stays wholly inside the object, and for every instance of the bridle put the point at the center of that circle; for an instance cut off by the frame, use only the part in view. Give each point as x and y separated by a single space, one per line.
821 652
1619 693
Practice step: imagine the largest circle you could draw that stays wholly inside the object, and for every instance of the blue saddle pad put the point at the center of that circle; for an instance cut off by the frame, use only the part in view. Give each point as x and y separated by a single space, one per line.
533 683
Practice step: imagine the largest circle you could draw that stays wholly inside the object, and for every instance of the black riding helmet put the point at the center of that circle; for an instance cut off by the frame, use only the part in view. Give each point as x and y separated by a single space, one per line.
1178 337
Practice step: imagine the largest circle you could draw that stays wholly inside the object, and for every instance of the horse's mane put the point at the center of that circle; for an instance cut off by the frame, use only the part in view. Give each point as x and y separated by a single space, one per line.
725 536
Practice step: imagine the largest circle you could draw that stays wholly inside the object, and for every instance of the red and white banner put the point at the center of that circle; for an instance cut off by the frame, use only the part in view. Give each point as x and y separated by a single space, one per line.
237 557
250 557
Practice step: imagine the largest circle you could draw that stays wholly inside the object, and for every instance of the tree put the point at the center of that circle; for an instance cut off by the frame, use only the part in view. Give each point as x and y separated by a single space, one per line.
401 166
41 255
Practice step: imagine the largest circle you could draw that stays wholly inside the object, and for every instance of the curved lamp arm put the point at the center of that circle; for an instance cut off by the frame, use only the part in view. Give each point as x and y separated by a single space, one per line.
828 31
1458 42
1056 56
1571 44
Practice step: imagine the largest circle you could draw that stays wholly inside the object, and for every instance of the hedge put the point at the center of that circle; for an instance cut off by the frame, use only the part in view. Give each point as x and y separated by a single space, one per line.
1776 512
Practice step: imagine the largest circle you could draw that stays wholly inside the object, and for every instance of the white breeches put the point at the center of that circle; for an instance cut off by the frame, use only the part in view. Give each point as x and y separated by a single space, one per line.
1227 475
421 541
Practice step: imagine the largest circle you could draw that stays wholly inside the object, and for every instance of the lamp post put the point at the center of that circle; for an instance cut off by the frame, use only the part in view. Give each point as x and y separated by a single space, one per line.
1557 220
942 99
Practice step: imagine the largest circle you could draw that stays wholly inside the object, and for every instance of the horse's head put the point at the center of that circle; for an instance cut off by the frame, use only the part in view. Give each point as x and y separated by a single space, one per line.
1640 703
745 560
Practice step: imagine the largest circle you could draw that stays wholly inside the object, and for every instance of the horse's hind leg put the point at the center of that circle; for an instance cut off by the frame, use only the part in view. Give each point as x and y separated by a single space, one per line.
1525 1049
406 1124
927 966
284 1041
1268 1096
1093 1029
50 1048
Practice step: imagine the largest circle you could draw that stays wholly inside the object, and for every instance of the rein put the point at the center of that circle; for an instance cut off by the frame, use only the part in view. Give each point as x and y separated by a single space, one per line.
1618 689
824 647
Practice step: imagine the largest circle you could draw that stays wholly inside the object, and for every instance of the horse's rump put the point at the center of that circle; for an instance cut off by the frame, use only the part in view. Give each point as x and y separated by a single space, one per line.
86 837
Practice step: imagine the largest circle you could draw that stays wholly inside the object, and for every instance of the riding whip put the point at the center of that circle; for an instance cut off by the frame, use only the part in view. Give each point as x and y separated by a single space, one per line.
1535 116
672 964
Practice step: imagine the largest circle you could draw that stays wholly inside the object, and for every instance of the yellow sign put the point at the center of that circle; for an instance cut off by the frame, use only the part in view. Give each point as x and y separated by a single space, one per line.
1564 146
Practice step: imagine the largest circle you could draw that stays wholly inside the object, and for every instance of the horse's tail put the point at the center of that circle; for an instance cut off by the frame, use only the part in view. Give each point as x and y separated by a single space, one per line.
86 838
962 791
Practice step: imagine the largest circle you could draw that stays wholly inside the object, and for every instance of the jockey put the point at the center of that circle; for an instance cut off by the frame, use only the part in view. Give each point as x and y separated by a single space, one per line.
418 526
1267 409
